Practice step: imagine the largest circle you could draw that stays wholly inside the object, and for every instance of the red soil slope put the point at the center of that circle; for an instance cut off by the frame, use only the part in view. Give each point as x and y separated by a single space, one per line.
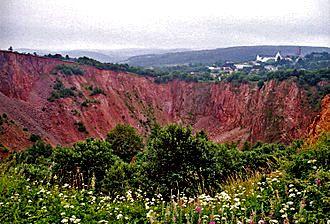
277 112
321 122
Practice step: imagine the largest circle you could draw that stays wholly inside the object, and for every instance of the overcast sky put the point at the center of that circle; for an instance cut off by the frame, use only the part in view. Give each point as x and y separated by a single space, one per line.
107 24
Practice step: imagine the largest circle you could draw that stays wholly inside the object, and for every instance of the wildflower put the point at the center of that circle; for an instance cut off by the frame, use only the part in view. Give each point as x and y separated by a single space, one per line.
290 202
212 222
273 221
62 213
261 221
292 195
119 216
198 209
311 161
149 214
318 182
65 220
284 216
291 185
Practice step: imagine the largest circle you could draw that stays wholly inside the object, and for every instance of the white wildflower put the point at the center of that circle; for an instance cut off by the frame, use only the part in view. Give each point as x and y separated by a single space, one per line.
65 220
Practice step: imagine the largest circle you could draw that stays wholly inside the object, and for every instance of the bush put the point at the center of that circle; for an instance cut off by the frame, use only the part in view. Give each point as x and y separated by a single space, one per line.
34 138
125 142
119 178
97 91
87 102
78 165
178 161
35 153
60 91
81 127
3 149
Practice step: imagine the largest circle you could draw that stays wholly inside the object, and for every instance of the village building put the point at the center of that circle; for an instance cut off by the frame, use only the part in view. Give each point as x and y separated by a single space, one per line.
228 67
271 68
242 66
264 59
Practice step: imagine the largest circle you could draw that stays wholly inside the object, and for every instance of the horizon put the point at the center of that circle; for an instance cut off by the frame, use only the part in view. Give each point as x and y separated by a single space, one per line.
145 48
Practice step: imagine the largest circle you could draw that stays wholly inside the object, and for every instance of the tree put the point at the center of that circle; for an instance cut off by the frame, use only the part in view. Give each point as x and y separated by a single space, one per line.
178 161
84 161
125 142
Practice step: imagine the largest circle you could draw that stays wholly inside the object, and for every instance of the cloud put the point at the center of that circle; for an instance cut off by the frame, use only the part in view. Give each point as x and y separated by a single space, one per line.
163 24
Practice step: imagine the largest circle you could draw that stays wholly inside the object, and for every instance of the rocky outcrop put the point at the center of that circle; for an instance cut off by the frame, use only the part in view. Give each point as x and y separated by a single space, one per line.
279 111
321 123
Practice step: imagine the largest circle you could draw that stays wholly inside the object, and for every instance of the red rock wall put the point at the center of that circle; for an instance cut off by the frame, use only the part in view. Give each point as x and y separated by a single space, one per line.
277 112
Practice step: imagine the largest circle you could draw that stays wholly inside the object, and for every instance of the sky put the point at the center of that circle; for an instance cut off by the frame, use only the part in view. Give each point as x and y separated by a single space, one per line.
200 24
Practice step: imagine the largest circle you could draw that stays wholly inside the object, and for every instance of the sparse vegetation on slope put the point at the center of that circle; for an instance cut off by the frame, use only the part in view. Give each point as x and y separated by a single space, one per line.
60 91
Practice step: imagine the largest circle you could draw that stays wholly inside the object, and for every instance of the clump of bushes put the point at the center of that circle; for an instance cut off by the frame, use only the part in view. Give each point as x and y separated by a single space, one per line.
60 91
68 70
95 90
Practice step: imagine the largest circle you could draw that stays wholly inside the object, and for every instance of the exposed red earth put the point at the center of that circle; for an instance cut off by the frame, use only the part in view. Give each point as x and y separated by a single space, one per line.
277 112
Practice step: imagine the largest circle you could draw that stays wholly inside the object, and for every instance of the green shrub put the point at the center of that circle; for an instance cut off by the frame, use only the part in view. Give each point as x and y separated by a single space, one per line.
59 91
87 102
34 138
86 160
3 149
125 141
81 127
178 161
97 91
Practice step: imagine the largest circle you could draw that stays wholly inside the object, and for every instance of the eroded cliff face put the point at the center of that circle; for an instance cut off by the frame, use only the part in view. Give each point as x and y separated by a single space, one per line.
321 123
279 111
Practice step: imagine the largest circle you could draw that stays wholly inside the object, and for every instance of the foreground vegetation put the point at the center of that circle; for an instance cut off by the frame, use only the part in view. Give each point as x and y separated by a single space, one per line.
175 177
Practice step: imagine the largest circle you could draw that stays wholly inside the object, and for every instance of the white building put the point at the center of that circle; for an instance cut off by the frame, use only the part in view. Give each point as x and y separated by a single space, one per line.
271 68
242 66
277 57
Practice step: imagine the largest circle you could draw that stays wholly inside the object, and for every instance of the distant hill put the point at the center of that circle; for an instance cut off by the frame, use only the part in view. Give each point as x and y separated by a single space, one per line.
113 56
235 54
